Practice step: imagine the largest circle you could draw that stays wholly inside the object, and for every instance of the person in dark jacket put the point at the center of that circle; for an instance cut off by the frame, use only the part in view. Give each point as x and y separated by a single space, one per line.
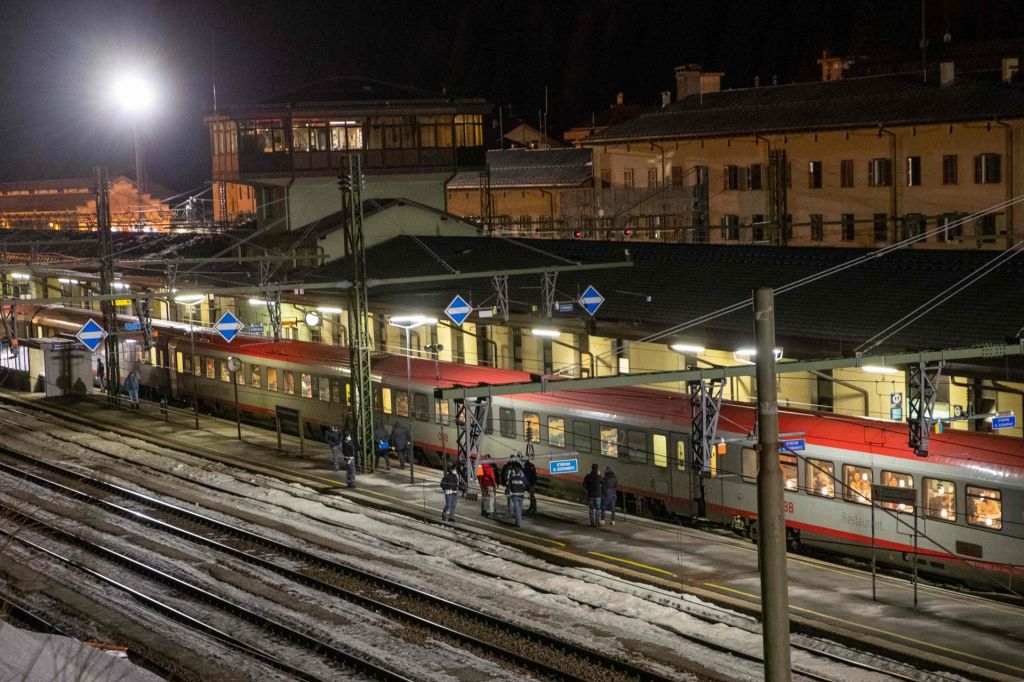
512 467
608 496
131 387
450 488
530 470
349 450
593 483
382 446
101 374
401 441
515 489
333 438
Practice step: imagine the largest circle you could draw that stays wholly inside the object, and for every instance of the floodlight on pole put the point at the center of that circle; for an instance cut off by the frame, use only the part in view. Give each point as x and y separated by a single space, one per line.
136 96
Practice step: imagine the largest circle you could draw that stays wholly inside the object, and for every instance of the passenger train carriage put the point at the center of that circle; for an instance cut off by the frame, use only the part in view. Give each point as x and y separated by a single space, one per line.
970 490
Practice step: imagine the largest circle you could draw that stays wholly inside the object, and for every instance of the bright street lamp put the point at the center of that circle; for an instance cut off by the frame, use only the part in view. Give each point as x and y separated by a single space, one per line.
408 323
136 96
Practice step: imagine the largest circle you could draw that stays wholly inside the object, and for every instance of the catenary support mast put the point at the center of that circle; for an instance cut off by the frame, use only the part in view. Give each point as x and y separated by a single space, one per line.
113 371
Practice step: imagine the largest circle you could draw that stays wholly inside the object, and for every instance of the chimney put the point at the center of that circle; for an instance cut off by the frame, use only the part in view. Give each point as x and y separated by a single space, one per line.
947 73
832 67
619 98
1011 67
666 97
691 81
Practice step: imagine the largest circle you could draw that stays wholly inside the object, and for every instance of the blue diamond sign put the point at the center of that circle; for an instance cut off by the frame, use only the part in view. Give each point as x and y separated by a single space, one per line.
228 326
458 310
591 300
91 335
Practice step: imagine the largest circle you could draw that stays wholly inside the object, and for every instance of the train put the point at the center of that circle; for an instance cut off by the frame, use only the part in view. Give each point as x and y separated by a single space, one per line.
966 499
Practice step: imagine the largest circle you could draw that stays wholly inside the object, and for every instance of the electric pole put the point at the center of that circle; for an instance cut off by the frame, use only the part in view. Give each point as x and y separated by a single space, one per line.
771 545
113 378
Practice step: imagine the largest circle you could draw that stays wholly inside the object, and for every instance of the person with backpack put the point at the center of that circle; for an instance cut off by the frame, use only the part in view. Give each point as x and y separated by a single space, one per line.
608 495
515 489
488 481
530 469
450 488
382 444
593 484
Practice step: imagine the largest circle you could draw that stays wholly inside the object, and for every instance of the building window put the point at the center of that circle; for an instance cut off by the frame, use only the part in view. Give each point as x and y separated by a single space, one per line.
787 227
849 232
755 176
730 227
652 177
987 169
789 175
952 226
677 176
881 227
913 171
507 422
814 175
609 441
817 227
949 169
469 130
894 479
757 227
820 477
531 427
846 173
556 432
984 507
628 179
939 499
731 177
856 484
879 173
606 177
660 450
913 225
987 225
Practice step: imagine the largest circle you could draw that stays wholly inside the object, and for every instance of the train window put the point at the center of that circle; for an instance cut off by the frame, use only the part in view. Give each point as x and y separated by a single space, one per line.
637 441
179 361
225 374
681 454
385 394
939 499
751 465
748 465
659 449
556 432
197 365
272 379
211 368
984 507
581 436
857 484
441 411
893 479
306 384
821 477
256 376
609 441
401 403
507 422
325 389
790 478
289 382
335 390
531 427
240 376
348 394
188 364
420 407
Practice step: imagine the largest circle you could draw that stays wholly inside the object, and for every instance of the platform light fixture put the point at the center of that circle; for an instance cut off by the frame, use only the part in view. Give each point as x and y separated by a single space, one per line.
312 319
878 369
20 275
257 301
410 321
546 333
687 348
327 310
747 354
189 299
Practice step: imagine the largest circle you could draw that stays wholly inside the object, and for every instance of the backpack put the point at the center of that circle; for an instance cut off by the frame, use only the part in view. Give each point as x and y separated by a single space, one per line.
516 482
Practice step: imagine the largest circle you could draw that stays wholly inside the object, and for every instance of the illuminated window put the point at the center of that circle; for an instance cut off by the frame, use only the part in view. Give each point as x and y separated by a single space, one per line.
789 472
857 484
609 441
401 403
659 450
240 375
820 477
197 365
716 450
556 432
225 375
153 356
939 499
681 455
179 362
893 479
256 376
531 427
289 382
188 364
749 464
441 411
469 130
386 400
271 379
211 368
307 385
984 507
325 389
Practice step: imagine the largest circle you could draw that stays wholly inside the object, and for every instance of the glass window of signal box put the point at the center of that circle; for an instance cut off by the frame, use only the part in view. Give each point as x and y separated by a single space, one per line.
211 368
659 449
581 436
272 379
401 399
939 499
857 484
609 441
984 507
531 427
289 382
225 375
256 376
556 432
507 422
894 479
820 477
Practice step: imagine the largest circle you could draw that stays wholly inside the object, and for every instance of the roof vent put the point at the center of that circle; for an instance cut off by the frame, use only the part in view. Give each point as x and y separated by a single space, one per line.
666 97
947 73
1011 67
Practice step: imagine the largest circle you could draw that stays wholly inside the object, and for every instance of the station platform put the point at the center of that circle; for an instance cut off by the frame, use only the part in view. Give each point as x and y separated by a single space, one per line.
976 637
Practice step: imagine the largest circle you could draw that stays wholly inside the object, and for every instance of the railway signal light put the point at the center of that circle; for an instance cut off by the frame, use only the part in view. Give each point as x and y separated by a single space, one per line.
577 234
628 232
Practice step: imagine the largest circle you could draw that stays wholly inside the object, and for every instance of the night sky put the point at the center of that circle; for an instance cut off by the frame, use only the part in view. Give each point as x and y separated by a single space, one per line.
57 120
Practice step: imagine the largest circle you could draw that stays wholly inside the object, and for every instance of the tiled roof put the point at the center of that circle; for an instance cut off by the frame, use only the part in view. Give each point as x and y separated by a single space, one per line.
849 103
44 203
349 89
531 168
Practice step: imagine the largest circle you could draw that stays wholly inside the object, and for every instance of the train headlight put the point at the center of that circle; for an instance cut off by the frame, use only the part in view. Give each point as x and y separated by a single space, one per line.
312 319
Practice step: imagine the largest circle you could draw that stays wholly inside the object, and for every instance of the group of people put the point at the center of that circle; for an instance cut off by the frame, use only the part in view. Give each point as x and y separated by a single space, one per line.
602 491
518 475
343 452
398 441
131 383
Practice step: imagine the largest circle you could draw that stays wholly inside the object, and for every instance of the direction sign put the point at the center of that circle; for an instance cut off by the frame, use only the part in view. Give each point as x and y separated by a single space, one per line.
564 466
255 328
1004 422
566 306
458 310
228 326
132 326
794 444
591 300
91 335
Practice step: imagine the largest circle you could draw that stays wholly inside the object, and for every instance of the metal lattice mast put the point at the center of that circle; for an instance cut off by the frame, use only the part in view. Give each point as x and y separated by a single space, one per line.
102 191
922 387
361 414
706 403
470 418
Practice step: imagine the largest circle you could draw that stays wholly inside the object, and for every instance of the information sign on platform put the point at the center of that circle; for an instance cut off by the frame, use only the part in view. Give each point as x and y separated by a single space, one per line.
458 310
591 300
564 466
794 444
123 301
91 335
228 326
255 328
1004 422
896 414
132 326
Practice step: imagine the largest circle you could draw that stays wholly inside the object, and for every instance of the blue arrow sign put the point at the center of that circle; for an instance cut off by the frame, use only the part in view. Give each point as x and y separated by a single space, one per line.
794 444
591 300
1004 422
458 310
564 466
228 326
91 335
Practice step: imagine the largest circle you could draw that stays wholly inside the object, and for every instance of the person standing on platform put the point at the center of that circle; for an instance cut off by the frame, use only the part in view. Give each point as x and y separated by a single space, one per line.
515 489
381 441
608 495
450 488
101 374
401 441
488 482
512 468
530 470
131 385
594 484
333 438
348 451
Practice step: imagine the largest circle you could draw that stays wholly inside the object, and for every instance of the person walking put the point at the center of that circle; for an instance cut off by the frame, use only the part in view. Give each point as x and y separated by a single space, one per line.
485 476
515 489
101 374
450 488
348 451
131 385
512 468
333 438
608 495
401 441
593 483
382 444
530 470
